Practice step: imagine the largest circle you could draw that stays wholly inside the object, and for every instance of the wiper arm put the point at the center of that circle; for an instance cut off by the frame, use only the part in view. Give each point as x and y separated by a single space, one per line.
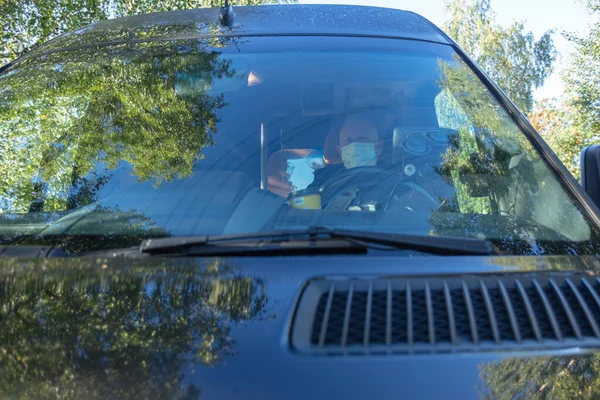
31 251
314 240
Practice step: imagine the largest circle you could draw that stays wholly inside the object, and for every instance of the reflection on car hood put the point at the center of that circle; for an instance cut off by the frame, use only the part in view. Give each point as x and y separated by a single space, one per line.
217 328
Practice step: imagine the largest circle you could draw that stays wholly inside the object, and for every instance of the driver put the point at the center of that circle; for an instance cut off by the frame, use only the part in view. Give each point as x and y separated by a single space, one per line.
358 145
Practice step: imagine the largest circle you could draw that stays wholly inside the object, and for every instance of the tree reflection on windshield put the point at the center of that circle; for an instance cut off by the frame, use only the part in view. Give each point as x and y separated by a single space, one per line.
108 332
488 154
131 129
83 111
503 189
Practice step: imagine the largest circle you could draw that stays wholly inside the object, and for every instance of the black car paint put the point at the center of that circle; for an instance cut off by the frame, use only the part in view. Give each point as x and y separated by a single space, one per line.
254 359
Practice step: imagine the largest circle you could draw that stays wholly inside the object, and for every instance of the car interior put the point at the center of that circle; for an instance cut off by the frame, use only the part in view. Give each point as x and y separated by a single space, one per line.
273 135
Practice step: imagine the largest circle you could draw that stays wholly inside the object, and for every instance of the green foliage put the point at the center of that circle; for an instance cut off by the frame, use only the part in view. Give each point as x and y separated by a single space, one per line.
542 378
582 78
481 152
495 170
572 121
26 23
510 56
91 331
62 117
563 127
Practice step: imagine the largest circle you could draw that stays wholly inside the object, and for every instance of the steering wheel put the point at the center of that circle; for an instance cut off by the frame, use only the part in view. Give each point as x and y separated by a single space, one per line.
374 183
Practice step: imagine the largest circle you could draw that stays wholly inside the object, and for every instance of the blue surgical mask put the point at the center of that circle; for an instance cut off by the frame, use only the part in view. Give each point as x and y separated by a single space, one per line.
359 154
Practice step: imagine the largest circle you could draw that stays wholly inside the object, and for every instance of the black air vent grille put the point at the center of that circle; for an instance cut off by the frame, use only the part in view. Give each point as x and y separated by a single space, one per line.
470 313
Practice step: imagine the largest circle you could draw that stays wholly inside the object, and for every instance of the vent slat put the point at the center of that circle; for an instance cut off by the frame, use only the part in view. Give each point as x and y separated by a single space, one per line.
431 314
388 320
567 309
532 319
430 317
409 318
326 316
451 322
368 316
490 310
591 292
347 316
588 314
549 312
510 311
471 313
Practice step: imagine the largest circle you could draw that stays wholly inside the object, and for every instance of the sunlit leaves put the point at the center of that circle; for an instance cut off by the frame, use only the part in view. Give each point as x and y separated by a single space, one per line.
72 113
582 78
564 128
571 121
27 23
485 143
496 170
510 56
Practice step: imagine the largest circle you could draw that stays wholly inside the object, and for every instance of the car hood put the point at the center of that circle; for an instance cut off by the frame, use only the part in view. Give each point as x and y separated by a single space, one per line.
220 327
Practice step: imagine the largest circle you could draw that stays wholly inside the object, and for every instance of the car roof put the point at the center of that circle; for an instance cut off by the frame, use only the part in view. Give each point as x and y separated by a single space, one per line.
266 20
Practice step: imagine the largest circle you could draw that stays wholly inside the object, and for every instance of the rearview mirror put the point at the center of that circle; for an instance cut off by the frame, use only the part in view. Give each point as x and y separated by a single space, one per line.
590 172
188 84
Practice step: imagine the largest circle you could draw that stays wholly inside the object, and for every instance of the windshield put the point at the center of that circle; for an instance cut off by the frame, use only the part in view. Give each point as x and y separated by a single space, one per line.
104 147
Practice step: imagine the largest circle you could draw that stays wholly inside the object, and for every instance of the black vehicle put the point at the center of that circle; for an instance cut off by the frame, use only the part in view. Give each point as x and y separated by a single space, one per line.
284 202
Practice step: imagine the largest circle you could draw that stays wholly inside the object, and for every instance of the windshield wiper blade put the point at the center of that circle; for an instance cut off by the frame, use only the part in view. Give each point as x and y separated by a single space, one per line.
276 243
314 240
440 245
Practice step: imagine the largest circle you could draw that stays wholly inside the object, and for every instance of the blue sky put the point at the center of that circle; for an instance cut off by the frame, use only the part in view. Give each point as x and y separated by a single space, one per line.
538 15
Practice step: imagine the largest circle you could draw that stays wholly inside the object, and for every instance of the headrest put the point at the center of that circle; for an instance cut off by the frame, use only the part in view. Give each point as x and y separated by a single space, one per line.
331 154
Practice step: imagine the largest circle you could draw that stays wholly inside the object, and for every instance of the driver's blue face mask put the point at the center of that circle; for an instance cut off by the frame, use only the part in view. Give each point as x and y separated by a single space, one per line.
359 154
